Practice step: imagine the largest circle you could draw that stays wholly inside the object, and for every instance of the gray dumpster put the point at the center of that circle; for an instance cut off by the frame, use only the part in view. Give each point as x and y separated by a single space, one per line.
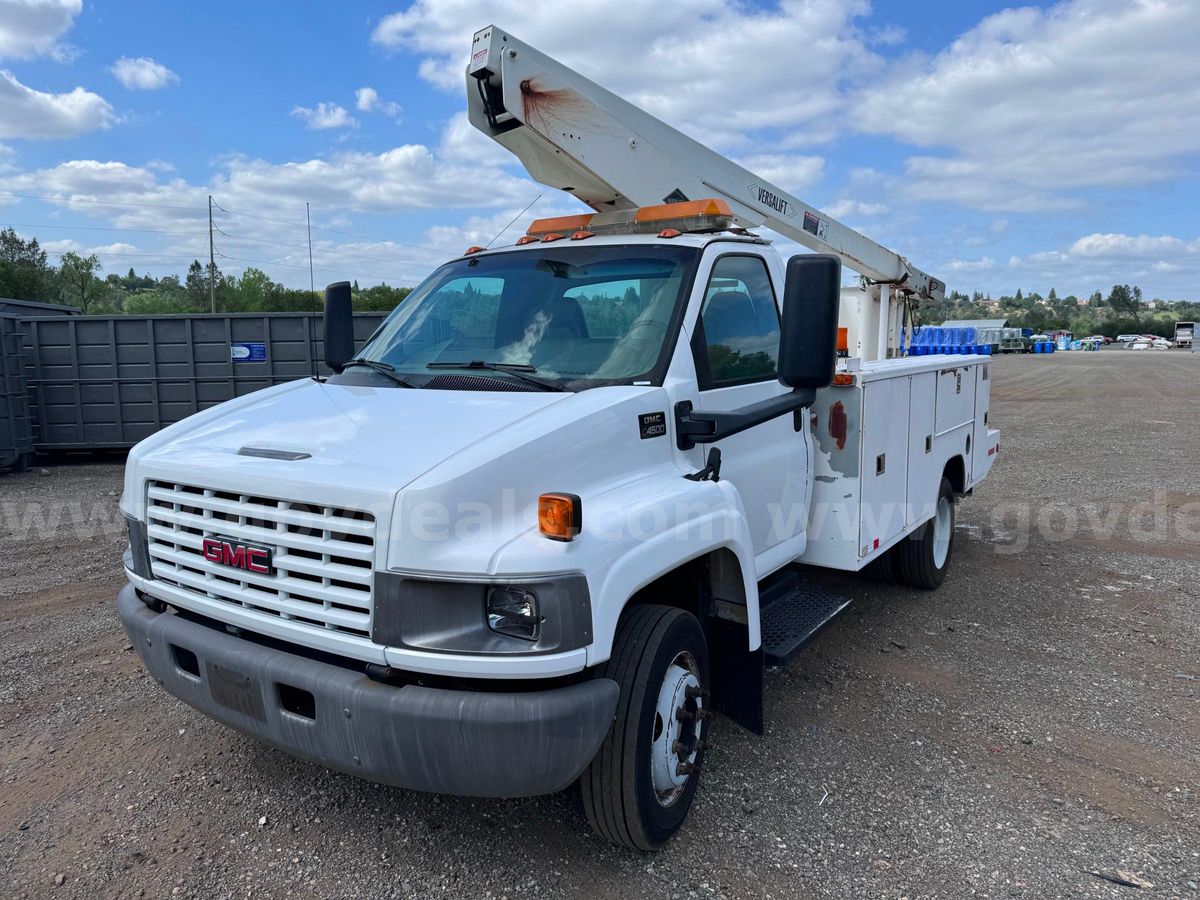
99 382
16 438
11 307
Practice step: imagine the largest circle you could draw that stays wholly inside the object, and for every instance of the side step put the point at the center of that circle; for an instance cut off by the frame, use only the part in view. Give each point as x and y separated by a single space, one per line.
792 614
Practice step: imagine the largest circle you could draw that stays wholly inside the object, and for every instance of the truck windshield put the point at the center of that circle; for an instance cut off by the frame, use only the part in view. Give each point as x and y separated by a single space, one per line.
576 316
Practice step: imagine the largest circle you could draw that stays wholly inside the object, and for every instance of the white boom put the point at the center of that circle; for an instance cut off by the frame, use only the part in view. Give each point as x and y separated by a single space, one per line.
574 135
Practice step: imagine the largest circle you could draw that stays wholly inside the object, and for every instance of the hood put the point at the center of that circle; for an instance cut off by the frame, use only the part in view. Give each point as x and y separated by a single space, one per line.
361 443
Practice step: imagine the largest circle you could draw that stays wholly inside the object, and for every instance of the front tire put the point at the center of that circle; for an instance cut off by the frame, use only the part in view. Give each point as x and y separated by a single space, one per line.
923 559
639 788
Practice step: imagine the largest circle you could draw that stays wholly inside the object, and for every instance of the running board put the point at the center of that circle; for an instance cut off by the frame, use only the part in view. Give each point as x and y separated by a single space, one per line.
792 613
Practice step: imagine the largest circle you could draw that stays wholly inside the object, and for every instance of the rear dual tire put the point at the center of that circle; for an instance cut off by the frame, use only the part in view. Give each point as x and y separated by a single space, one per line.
923 559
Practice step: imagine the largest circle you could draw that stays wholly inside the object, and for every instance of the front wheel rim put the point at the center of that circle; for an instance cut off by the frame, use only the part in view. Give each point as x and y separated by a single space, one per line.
675 742
942 528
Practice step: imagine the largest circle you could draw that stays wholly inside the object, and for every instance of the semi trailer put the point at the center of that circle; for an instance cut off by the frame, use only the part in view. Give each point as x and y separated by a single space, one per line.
553 517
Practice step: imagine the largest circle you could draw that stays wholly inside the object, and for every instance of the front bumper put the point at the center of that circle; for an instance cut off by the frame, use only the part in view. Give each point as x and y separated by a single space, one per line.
474 743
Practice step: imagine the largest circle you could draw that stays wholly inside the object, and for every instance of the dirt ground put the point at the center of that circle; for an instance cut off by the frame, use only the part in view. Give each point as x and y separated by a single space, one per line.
1031 730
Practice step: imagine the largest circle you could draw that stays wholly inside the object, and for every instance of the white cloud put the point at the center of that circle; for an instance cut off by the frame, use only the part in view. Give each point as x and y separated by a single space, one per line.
88 186
404 179
969 266
1165 265
463 142
56 247
1032 103
366 99
143 74
29 113
30 28
696 64
846 207
325 115
1129 246
408 177
792 173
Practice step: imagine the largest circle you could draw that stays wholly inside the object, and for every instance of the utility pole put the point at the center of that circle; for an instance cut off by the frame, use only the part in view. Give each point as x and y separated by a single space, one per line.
311 284
212 261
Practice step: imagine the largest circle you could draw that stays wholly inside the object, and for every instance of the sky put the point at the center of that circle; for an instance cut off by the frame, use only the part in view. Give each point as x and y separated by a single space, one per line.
995 146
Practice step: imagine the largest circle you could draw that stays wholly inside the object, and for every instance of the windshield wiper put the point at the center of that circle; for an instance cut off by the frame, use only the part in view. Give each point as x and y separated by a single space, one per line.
382 368
516 370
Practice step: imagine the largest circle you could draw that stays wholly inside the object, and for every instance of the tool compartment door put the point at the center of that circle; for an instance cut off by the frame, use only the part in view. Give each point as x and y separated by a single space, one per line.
984 448
955 398
884 462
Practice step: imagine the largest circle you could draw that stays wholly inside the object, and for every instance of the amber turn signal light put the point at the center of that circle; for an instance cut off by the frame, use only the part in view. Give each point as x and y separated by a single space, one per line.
560 516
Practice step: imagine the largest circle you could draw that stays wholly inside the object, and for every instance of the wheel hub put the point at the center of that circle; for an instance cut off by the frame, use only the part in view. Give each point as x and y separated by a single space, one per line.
675 741
941 532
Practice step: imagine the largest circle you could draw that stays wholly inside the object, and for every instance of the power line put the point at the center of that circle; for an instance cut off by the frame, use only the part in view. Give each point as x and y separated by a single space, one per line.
100 228
369 237
128 253
101 202
272 262
216 228
326 252
212 262
232 212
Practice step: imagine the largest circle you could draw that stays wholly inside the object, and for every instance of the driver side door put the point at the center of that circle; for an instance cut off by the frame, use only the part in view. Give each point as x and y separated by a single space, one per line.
735 346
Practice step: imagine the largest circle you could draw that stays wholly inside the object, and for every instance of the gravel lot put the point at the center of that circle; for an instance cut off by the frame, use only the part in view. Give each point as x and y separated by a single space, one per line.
1026 730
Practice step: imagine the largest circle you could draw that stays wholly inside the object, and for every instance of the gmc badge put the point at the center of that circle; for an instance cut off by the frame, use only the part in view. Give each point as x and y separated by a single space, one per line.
652 425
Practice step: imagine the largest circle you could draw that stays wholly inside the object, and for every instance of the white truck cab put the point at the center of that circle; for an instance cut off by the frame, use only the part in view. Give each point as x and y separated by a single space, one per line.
549 518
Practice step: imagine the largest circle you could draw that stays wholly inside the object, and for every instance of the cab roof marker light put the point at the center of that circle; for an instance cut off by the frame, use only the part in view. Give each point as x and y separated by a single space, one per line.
699 216
582 235
558 224
688 210
471 250
526 239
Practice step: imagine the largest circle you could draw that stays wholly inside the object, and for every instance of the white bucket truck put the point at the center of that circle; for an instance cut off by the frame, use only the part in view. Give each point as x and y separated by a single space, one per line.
550 517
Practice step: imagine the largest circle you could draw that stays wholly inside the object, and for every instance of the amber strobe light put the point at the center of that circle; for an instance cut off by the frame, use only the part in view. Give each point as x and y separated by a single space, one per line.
560 516
666 219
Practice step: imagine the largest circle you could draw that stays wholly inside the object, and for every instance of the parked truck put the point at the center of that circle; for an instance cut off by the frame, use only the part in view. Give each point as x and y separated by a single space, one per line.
1184 331
552 516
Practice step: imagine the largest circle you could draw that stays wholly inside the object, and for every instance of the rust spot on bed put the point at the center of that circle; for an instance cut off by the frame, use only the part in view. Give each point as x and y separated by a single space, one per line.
837 424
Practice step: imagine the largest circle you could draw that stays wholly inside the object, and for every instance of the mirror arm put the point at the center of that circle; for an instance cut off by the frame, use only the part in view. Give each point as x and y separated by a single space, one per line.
693 427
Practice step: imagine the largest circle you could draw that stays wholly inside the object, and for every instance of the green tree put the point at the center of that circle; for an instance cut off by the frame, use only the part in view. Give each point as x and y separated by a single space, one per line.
1123 301
78 284
198 281
254 291
24 274
158 302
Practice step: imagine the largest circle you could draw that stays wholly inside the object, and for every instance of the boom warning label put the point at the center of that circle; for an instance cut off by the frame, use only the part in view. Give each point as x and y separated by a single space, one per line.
815 225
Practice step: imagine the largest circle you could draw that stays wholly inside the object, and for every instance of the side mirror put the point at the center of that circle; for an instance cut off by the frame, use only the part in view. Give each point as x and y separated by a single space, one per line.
808 341
339 326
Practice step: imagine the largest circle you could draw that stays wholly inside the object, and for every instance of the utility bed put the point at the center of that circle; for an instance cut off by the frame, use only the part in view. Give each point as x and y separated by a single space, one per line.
882 440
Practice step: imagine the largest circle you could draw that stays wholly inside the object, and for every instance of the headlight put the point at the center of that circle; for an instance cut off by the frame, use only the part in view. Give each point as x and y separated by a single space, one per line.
514 611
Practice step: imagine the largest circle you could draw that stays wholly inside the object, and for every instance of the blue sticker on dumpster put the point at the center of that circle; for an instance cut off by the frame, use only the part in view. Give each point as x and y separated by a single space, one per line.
251 352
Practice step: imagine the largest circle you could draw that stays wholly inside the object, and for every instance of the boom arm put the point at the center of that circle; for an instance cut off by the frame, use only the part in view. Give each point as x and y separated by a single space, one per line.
574 135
